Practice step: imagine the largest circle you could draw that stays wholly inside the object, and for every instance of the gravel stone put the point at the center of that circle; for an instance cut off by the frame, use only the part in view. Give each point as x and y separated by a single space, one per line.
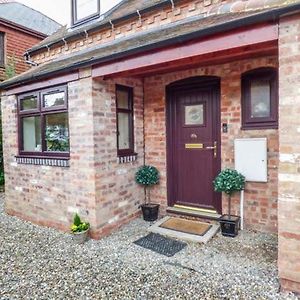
42 263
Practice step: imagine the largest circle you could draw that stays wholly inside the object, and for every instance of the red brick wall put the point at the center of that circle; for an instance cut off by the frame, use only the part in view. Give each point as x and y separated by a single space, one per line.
117 195
260 198
96 185
16 43
289 171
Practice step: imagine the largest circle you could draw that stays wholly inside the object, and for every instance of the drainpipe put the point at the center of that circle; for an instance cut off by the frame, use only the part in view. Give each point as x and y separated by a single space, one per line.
242 209
144 140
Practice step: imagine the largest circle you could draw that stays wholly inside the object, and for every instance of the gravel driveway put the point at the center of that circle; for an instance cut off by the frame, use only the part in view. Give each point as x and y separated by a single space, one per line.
40 263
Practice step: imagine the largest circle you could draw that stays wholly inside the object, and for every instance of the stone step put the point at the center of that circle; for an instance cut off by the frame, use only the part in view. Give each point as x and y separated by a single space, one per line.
194 213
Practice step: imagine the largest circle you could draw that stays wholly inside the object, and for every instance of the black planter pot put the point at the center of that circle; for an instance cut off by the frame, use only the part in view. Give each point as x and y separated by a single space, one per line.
230 225
150 212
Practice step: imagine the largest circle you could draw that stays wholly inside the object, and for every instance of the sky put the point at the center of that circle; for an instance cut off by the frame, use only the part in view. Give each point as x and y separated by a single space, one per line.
59 10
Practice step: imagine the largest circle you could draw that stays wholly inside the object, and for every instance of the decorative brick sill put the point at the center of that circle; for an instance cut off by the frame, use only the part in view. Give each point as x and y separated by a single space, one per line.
127 158
53 162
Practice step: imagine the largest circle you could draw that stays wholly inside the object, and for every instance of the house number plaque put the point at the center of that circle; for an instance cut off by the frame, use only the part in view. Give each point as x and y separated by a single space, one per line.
193 146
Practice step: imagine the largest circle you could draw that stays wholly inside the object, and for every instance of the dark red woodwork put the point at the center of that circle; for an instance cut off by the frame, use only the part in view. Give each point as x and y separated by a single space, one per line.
129 111
237 39
37 85
42 113
191 171
227 56
270 75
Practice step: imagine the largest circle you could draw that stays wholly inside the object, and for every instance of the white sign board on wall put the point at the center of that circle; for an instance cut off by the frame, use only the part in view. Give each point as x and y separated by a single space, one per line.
251 158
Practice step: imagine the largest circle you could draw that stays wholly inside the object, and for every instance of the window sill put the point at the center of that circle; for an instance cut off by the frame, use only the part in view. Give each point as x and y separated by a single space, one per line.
123 159
259 126
43 161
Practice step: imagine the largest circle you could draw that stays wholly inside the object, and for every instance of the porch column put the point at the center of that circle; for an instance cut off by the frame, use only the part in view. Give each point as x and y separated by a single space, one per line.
289 167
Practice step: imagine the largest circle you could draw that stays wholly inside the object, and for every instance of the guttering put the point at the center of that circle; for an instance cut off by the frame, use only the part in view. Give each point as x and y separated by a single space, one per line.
220 28
96 27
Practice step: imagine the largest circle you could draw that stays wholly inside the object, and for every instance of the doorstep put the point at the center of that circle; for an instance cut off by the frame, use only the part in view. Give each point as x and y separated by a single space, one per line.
156 228
197 214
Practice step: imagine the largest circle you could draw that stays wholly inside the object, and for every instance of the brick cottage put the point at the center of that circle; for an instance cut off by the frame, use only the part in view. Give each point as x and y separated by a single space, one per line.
167 83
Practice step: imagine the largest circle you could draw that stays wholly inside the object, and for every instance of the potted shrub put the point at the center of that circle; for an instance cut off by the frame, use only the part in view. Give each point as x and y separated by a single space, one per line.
148 176
229 181
79 230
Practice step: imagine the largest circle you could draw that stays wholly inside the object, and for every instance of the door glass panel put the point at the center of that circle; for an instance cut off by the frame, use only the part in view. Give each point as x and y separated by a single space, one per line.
32 134
57 132
260 99
55 99
29 103
194 114
123 99
123 137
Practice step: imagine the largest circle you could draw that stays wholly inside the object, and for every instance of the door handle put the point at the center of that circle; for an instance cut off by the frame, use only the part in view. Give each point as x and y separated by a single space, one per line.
214 147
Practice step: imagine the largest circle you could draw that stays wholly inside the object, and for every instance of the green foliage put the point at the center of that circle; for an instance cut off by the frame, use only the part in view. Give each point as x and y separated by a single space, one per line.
78 225
77 220
1 177
147 176
229 181
57 139
10 68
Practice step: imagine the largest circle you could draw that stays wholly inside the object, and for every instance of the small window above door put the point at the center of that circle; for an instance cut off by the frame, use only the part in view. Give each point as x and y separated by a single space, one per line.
260 99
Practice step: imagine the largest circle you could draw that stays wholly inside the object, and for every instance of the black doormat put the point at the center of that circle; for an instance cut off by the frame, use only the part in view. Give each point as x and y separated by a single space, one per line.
160 244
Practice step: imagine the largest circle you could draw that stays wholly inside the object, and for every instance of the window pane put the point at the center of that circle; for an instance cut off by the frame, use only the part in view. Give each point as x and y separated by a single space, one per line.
122 99
86 8
29 103
124 136
32 134
55 99
260 99
194 114
57 132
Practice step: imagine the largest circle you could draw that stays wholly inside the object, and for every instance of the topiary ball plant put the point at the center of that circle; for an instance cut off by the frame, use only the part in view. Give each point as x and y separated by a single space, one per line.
147 176
229 181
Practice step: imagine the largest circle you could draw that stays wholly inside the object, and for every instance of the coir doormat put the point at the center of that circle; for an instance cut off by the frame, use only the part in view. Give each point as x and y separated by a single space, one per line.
186 226
160 244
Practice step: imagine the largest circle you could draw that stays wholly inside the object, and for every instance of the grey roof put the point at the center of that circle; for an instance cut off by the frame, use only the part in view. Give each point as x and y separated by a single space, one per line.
119 11
128 9
171 34
27 17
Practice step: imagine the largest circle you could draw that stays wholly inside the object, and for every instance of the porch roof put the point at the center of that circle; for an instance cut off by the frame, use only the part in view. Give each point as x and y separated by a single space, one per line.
169 35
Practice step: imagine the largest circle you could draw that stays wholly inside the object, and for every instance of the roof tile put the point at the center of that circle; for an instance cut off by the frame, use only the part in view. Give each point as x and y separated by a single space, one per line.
27 17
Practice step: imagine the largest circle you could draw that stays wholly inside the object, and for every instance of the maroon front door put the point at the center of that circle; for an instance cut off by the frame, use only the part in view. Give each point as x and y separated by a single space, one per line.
194 142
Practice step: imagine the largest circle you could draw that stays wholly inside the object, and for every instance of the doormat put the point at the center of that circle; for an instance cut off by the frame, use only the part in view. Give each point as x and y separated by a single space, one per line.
186 226
160 244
